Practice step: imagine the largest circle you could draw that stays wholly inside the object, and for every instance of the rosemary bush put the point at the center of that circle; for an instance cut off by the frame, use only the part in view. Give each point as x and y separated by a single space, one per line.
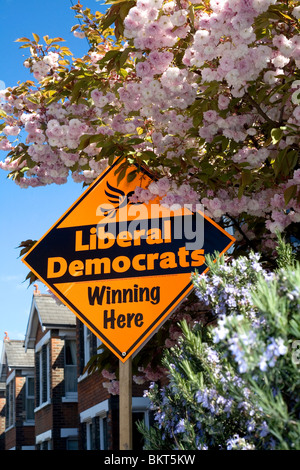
235 383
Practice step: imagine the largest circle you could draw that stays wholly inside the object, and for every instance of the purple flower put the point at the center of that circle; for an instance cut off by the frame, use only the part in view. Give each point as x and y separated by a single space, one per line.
180 427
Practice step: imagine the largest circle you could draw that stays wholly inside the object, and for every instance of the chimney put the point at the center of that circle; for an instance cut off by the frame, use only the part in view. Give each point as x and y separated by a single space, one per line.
37 291
6 337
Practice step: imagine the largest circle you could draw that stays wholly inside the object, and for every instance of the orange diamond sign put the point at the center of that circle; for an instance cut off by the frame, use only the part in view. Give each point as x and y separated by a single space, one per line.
122 267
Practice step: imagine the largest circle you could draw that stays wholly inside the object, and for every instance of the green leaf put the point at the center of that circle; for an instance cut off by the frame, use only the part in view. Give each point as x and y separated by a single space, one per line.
124 9
149 154
26 45
110 55
76 91
246 177
124 56
109 18
22 40
84 142
57 40
121 175
285 161
123 73
276 135
290 193
32 99
191 14
135 141
36 37
131 176
31 277
114 2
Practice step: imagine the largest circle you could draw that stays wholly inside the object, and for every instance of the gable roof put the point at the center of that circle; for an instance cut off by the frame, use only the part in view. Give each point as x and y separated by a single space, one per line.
50 314
16 356
53 314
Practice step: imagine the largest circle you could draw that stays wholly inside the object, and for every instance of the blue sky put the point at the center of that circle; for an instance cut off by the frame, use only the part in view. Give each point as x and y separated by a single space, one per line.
29 213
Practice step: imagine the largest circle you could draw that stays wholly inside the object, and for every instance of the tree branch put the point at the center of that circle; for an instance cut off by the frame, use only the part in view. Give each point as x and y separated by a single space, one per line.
237 226
260 111
248 241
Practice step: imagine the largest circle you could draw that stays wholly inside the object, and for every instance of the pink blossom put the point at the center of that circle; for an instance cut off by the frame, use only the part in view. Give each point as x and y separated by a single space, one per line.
51 59
296 12
153 375
226 63
210 116
296 176
169 7
108 375
139 379
130 23
143 69
11 130
169 343
284 45
145 196
112 387
296 112
223 102
179 17
5 145
79 34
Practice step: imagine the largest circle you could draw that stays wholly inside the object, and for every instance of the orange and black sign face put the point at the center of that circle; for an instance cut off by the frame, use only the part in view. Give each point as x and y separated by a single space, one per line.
122 268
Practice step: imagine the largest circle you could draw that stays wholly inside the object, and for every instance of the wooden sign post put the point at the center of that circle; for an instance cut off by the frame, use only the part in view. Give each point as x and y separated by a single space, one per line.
125 404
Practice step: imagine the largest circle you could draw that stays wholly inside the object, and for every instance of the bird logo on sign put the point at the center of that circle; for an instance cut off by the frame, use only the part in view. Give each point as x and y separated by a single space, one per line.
117 200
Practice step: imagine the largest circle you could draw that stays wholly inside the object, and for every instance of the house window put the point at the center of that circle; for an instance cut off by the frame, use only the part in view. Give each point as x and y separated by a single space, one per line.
43 375
10 404
89 433
89 346
70 367
29 399
137 438
103 433
45 445
87 334
72 444
140 413
96 433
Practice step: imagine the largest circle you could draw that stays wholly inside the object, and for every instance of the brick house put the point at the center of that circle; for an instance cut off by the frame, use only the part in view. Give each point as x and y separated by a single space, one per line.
70 408
2 413
98 410
51 336
17 368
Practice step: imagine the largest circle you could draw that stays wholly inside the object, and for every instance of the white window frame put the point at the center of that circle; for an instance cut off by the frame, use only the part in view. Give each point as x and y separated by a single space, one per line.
44 437
86 349
70 396
100 410
11 400
142 405
27 397
86 341
41 376
45 341
88 425
101 426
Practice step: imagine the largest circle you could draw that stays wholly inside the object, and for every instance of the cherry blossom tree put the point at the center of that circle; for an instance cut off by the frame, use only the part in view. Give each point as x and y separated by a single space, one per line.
205 93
